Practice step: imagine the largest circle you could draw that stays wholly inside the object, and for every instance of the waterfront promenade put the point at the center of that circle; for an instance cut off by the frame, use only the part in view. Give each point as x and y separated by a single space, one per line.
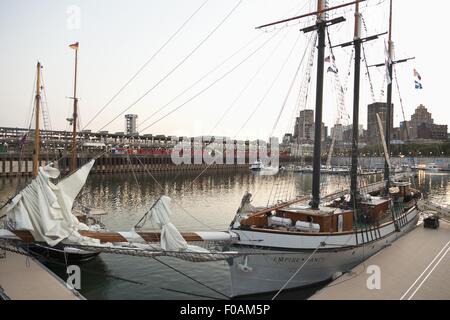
413 268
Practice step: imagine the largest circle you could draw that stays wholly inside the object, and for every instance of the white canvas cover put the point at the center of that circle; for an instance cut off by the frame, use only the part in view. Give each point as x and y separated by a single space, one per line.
171 239
45 209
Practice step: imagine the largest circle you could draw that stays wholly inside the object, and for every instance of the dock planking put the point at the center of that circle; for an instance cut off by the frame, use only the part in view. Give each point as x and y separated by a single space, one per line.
415 267
24 278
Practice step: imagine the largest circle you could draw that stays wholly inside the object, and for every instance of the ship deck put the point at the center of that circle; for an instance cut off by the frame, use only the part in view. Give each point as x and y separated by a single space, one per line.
415 267
24 278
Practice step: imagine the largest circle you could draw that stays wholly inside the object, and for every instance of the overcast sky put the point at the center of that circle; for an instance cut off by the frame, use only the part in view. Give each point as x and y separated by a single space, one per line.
118 37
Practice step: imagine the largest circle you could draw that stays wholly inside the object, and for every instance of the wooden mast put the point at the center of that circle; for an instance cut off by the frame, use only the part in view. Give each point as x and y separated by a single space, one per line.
321 29
37 142
389 102
73 161
357 45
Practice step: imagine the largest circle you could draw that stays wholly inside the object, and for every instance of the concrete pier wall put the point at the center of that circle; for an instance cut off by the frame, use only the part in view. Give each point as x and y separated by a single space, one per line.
14 164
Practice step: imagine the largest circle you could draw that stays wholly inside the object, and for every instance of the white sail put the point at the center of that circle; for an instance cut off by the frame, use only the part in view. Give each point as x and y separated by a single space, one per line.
171 239
383 139
72 185
45 209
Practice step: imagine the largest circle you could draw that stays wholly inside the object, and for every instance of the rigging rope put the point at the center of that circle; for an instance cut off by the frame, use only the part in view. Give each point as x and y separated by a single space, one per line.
247 85
401 103
322 244
192 278
290 88
285 185
176 202
200 79
146 63
270 87
369 77
210 85
32 105
176 66
29 124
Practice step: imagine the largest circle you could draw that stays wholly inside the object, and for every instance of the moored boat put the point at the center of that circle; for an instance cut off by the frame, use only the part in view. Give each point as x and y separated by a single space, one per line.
300 243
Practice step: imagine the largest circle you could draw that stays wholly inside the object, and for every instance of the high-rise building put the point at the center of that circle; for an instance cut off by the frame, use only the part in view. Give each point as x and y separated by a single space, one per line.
337 132
342 133
421 123
305 127
287 138
439 132
131 124
373 132
422 126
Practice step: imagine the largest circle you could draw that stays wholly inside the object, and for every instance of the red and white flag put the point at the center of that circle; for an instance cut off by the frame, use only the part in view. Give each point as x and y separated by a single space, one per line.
74 46
417 75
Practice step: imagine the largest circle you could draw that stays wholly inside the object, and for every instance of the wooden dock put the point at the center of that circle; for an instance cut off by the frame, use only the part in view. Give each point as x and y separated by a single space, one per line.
415 267
24 278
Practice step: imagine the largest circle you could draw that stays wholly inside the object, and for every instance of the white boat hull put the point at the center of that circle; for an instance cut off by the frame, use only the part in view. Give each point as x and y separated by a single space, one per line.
271 268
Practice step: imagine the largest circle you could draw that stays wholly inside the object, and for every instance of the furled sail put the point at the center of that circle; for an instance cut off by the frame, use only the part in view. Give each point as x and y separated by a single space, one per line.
45 209
171 239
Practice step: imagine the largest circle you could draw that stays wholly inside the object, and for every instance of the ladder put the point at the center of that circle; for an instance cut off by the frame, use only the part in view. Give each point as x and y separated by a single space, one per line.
304 90
340 92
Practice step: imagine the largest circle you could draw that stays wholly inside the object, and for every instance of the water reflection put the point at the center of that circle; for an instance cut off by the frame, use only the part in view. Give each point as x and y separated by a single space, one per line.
212 198
435 186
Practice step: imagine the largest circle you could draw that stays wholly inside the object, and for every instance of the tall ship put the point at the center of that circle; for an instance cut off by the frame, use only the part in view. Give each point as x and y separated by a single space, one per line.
292 244
301 243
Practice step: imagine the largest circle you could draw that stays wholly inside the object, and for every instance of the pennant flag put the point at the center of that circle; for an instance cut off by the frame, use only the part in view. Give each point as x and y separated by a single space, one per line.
328 59
418 85
74 46
417 75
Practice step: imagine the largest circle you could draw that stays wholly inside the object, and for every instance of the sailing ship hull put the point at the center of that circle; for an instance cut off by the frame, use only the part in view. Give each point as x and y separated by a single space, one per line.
61 253
267 268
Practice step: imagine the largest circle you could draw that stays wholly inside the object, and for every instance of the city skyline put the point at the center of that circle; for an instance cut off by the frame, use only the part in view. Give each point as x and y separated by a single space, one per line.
113 47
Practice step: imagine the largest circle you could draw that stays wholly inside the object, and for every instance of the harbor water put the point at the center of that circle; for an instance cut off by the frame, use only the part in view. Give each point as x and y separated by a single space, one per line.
199 203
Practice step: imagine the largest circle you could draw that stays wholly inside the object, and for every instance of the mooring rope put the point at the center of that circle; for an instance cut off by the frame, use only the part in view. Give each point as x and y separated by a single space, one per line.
322 244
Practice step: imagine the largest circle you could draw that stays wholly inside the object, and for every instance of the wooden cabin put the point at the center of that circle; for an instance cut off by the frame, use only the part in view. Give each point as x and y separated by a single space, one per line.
329 219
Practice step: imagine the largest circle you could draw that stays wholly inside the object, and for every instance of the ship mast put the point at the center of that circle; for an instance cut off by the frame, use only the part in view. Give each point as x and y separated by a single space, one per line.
37 144
389 102
73 160
321 28
357 44
355 140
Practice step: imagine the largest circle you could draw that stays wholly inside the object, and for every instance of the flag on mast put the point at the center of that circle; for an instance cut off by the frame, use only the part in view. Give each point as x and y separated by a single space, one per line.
417 80
74 46
418 85
333 70
417 75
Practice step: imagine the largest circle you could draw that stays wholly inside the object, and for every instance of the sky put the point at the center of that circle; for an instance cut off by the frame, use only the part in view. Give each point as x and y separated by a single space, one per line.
117 37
